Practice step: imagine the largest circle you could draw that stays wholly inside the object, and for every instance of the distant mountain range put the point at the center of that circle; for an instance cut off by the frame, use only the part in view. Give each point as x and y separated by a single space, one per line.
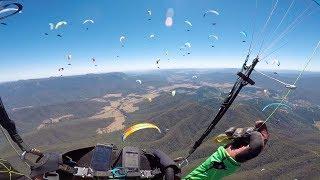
61 114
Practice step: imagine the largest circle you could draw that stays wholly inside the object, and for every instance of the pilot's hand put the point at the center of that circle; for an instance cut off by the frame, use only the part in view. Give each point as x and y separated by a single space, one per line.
49 162
250 145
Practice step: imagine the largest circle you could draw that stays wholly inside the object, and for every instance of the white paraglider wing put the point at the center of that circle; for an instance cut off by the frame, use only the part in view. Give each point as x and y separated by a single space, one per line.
139 81
214 36
188 22
122 38
88 21
60 24
243 33
212 12
187 44
173 93
6 10
51 26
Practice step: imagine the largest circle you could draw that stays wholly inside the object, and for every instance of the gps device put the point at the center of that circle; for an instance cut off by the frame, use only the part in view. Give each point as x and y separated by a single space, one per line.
101 158
131 160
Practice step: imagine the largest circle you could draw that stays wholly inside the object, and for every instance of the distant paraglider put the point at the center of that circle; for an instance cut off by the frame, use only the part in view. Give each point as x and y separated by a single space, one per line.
213 37
189 24
138 127
275 105
122 40
61 70
139 81
88 21
244 34
57 26
5 24
69 57
94 61
149 14
158 63
152 36
173 93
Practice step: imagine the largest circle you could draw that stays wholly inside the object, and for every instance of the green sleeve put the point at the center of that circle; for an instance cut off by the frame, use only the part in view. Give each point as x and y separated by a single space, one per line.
209 170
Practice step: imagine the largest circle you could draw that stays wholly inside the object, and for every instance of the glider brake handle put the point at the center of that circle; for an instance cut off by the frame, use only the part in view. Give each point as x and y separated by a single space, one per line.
32 152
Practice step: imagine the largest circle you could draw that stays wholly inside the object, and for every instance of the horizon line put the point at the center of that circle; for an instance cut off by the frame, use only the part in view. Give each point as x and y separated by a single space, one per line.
147 70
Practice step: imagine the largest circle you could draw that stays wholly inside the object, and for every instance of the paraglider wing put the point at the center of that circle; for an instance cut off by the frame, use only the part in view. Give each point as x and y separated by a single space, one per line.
88 21
69 57
187 44
51 26
151 36
8 11
243 33
276 104
214 36
139 81
188 22
211 11
138 127
173 93
60 24
122 38
317 1
149 12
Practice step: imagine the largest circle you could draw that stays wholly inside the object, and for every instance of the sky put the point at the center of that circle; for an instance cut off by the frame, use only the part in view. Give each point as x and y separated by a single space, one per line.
26 52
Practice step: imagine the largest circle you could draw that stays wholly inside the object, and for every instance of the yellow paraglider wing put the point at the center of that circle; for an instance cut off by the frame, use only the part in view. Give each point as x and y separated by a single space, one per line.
138 127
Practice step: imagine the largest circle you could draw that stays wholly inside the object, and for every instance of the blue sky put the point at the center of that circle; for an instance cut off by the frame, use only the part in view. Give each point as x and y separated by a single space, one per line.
27 53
